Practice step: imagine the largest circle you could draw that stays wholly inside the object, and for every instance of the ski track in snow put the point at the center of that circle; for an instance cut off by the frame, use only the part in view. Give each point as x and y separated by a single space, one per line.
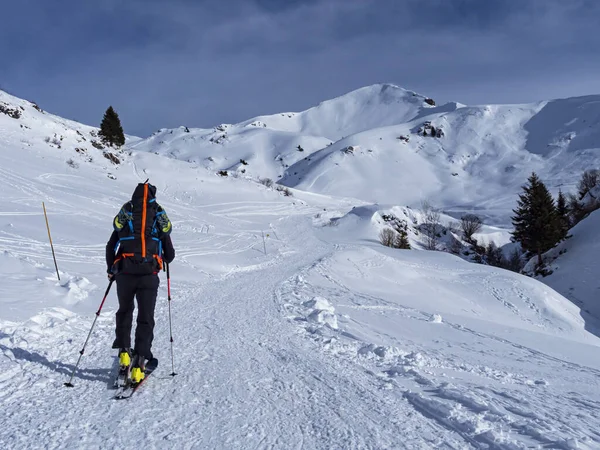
254 380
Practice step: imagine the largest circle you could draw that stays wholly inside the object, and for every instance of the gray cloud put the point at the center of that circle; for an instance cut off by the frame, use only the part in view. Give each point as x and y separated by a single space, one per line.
198 63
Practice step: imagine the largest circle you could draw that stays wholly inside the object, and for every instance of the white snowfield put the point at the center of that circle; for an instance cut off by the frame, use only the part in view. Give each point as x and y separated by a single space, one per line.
317 337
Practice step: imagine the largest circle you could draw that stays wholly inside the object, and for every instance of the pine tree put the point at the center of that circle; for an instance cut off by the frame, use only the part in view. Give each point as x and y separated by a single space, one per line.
514 262
111 130
494 255
563 215
401 240
536 221
576 209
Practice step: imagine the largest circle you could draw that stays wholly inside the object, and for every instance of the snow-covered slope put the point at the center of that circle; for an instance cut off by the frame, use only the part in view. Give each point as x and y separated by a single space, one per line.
369 145
574 265
366 108
316 337
249 150
484 156
26 127
268 145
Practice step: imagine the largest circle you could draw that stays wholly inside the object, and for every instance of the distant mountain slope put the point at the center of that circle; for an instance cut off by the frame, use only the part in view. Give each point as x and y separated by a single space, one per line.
360 110
267 146
369 144
248 150
481 159
571 124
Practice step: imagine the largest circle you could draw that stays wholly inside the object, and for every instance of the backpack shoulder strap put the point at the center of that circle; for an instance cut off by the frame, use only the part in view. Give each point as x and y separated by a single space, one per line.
125 217
164 224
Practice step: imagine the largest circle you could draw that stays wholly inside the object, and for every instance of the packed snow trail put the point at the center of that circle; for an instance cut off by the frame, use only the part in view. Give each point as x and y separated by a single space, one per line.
246 379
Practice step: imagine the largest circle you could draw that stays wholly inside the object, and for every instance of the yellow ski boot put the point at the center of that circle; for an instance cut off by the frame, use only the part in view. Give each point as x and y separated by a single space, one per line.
137 375
124 358
138 369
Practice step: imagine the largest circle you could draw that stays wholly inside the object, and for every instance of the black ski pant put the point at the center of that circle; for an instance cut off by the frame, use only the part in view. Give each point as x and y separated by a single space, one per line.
145 289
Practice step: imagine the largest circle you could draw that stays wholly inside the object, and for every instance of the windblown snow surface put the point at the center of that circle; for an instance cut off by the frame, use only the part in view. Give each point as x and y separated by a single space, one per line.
316 337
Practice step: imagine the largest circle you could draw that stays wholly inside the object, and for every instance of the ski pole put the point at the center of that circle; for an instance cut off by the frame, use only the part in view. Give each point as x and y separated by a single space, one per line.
50 237
70 384
170 322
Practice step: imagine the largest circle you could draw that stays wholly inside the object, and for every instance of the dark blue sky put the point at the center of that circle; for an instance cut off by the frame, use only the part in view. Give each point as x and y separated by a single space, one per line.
203 62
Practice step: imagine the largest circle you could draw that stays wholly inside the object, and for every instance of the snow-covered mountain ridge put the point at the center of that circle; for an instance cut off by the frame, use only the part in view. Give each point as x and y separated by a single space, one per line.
369 145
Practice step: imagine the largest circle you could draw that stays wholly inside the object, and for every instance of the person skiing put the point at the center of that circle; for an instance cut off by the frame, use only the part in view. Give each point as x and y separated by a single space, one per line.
135 253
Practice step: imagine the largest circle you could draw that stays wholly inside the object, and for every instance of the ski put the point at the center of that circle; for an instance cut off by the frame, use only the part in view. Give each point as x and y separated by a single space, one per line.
129 389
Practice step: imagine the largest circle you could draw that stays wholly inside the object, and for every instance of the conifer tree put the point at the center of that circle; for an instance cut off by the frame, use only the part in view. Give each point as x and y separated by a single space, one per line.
401 240
514 262
111 130
494 255
563 215
536 221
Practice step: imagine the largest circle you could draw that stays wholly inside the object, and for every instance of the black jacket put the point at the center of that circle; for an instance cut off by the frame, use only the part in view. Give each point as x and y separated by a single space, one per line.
167 247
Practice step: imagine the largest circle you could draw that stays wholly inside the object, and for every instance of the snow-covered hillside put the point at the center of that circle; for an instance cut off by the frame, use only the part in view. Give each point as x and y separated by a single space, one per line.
369 145
316 337
25 125
266 146
574 266
483 157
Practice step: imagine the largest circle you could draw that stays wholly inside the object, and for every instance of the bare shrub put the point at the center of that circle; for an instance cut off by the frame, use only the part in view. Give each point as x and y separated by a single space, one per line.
267 182
284 190
577 210
387 236
470 224
72 163
589 180
430 226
